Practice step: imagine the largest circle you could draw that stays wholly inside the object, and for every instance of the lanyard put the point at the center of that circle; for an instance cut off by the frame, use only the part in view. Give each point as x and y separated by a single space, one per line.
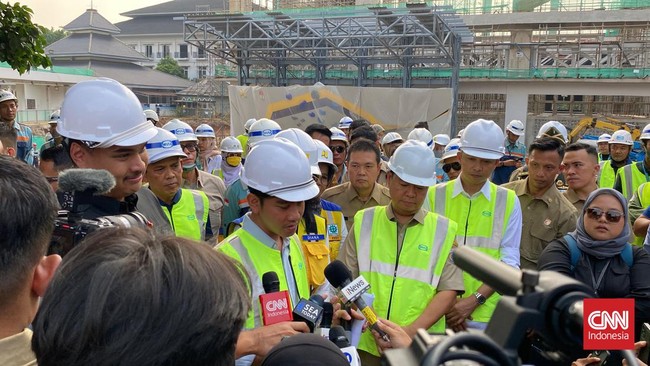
595 283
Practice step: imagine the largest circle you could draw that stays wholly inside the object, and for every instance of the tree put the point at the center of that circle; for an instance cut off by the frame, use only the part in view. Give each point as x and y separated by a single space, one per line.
170 66
21 41
52 35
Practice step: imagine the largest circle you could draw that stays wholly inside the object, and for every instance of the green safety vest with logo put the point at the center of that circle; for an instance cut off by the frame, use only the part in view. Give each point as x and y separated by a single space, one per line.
317 254
607 176
481 226
403 284
258 259
643 192
189 215
631 178
334 226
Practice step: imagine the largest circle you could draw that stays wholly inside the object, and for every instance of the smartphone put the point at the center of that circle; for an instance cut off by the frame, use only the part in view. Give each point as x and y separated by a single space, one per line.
602 355
645 336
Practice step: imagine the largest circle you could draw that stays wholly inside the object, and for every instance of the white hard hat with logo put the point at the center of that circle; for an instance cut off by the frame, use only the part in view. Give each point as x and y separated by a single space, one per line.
151 114
54 117
414 163
604 138
6 95
204 130
345 123
441 139
421 134
391 137
553 129
263 129
280 169
451 149
182 130
104 113
338 135
645 134
325 155
516 126
231 145
621 137
164 145
483 139
305 143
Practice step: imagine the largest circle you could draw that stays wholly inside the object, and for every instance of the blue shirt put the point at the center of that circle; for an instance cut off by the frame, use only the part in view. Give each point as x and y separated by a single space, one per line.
25 147
514 151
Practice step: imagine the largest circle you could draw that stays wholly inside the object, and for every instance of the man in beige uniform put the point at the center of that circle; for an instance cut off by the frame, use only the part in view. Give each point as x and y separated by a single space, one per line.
361 191
547 214
580 168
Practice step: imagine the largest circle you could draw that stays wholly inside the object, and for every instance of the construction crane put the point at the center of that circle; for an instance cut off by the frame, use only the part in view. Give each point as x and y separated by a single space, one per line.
609 124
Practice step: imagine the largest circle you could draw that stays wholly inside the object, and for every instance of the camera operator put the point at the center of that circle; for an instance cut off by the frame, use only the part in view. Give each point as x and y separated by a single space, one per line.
104 128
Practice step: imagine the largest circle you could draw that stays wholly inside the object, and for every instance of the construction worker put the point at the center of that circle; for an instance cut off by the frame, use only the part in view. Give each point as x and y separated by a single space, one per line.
439 142
581 169
344 125
603 147
339 146
278 176
547 214
209 156
230 162
243 138
403 251
8 111
449 162
515 153
186 209
362 191
632 175
422 135
337 231
193 178
152 116
488 217
390 143
620 146
52 138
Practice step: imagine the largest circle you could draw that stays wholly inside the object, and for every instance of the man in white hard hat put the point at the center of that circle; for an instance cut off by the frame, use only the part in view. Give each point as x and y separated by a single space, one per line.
620 146
547 213
488 217
339 146
603 147
421 240
278 176
97 136
230 161
390 143
208 154
8 111
439 142
243 138
449 162
344 125
515 153
152 116
632 175
186 209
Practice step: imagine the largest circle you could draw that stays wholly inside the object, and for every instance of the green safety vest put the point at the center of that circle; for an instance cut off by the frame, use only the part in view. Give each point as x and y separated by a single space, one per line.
317 254
405 284
257 258
607 175
643 192
481 226
631 178
189 215
243 140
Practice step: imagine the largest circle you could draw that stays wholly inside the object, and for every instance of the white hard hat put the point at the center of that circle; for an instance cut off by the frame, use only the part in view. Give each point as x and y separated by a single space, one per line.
338 135
151 114
262 129
345 123
163 145
104 112
54 117
645 134
249 123
451 149
516 126
548 127
204 130
6 95
325 154
604 137
280 169
231 145
305 143
182 130
460 133
483 139
621 137
421 134
391 137
414 163
441 139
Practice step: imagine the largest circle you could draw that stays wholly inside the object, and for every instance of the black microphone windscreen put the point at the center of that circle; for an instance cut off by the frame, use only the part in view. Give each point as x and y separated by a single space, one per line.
337 273
94 181
317 299
338 336
270 282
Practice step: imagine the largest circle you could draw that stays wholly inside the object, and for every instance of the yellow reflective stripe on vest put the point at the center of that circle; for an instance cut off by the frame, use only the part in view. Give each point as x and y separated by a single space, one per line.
201 207
631 179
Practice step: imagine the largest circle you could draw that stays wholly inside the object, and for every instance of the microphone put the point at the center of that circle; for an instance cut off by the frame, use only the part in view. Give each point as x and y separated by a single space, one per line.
274 303
326 321
309 311
338 337
92 181
340 277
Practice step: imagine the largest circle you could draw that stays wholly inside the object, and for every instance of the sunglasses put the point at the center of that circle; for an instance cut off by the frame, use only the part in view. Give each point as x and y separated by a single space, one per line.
189 147
337 149
612 216
447 167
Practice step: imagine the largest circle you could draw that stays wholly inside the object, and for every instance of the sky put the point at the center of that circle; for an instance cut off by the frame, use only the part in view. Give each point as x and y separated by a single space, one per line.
57 13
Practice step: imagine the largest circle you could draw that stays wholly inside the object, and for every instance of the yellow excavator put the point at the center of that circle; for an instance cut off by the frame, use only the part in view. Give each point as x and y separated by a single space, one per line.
605 123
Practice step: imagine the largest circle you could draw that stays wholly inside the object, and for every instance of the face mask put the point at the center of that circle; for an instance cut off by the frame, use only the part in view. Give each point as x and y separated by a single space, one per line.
233 160
189 167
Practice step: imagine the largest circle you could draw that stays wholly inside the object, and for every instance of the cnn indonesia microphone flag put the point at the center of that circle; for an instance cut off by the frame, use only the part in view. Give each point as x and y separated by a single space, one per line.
608 324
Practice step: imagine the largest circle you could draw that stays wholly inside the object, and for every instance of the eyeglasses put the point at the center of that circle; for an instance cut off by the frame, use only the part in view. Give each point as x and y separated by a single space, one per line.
189 147
447 167
612 216
337 149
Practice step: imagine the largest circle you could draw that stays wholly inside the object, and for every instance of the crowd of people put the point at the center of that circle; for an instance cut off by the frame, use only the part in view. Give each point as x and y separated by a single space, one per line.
182 288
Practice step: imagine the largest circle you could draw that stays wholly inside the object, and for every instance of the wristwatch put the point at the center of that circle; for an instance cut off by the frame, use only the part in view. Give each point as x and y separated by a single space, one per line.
480 299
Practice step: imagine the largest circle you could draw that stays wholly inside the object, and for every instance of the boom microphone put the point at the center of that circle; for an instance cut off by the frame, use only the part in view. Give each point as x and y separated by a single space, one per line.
340 277
92 181
274 303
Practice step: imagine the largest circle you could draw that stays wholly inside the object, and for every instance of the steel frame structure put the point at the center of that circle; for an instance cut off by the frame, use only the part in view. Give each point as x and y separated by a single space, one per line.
311 46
